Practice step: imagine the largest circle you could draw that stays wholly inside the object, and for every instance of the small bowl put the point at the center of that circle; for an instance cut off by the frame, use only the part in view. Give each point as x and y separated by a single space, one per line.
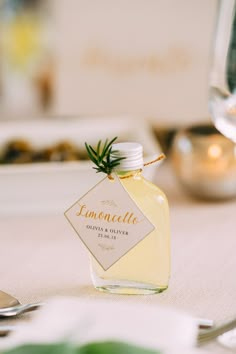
204 162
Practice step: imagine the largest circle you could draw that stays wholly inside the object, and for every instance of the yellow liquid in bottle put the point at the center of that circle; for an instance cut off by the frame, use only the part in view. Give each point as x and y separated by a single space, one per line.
145 269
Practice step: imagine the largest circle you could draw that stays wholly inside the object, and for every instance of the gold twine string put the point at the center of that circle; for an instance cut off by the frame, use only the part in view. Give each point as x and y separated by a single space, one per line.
159 158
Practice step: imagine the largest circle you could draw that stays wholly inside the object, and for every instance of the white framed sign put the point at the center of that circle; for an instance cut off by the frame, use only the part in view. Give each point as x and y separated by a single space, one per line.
142 57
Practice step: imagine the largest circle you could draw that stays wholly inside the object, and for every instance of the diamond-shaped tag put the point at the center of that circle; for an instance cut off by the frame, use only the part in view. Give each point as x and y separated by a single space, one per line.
108 221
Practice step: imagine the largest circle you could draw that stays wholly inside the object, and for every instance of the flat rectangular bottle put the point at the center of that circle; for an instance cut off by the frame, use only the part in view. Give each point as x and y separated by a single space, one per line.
145 268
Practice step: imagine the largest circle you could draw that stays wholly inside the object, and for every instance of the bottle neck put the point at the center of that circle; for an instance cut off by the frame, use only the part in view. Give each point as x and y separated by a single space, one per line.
129 174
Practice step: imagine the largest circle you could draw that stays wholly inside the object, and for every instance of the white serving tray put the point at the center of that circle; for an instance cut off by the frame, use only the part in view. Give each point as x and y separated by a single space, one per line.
53 187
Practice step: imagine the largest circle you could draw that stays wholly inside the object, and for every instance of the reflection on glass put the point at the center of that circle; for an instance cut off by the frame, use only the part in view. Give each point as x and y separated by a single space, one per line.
222 101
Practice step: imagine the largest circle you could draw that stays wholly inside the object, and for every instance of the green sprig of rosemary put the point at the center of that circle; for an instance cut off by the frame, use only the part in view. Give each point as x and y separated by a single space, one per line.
101 156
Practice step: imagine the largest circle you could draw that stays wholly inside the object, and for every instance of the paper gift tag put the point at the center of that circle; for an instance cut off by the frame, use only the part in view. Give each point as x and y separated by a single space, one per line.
108 221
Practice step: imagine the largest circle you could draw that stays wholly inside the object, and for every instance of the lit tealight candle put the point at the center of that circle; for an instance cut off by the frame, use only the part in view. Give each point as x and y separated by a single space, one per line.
205 162
214 151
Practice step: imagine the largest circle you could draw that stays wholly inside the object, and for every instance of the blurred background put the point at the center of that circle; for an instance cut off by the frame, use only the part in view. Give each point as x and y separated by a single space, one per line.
85 57
83 70
26 56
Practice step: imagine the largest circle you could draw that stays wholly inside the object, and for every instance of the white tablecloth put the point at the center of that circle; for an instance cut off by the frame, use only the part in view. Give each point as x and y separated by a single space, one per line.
40 256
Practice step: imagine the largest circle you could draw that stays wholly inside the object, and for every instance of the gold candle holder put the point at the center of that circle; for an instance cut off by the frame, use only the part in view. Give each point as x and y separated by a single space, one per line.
204 162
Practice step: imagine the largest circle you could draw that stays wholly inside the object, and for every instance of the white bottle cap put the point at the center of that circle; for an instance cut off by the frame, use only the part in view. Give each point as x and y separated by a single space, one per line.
133 153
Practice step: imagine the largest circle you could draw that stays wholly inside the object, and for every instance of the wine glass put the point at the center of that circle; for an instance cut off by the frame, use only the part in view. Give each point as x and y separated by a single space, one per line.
222 99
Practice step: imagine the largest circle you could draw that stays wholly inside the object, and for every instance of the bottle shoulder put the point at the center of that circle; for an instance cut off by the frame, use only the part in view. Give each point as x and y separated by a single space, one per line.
151 186
142 188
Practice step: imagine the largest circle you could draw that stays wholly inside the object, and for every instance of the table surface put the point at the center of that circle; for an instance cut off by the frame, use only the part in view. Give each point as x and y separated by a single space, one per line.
40 257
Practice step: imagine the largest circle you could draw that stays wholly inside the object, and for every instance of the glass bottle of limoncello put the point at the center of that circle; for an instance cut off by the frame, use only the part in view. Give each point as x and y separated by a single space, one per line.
145 269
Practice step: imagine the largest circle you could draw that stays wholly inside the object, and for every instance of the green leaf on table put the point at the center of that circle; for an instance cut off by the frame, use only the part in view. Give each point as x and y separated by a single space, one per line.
91 348
114 348
58 348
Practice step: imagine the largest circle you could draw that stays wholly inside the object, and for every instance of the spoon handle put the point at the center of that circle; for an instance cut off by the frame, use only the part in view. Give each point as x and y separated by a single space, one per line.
30 307
214 333
19 309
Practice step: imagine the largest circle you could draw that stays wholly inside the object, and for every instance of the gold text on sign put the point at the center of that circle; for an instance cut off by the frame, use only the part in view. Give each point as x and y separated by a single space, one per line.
175 59
127 218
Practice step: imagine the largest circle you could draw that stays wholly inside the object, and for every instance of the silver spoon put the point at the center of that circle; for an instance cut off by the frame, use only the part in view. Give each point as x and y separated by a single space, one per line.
10 306
225 331
19 309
